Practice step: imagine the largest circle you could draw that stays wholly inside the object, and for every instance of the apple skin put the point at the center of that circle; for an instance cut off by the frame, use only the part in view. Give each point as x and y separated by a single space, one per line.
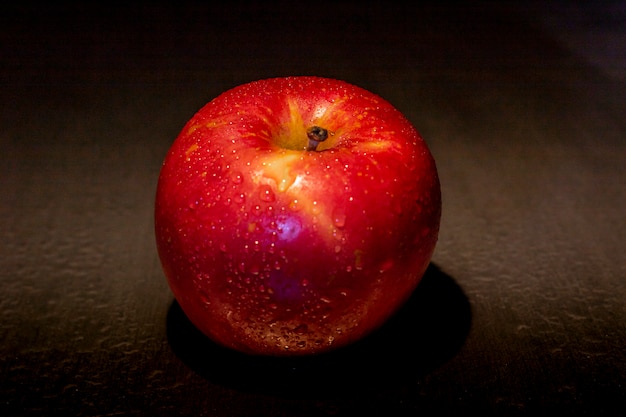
271 249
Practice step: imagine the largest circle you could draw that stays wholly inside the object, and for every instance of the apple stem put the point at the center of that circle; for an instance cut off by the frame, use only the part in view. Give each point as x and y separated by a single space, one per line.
316 135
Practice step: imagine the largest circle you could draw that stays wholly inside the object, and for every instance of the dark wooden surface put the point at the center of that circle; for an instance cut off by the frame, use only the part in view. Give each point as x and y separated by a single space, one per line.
523 311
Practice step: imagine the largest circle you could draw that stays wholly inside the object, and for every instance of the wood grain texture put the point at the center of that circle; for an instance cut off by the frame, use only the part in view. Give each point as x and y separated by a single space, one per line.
522 311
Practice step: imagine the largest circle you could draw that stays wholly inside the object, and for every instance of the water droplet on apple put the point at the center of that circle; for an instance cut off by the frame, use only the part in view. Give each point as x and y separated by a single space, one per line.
240 198
301 329
386 266
200 278
339 235
266 193
204 297
237 178
316 208
339 217
295 205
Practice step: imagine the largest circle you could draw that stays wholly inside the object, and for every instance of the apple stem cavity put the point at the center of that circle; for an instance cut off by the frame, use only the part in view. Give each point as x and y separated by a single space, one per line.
316 135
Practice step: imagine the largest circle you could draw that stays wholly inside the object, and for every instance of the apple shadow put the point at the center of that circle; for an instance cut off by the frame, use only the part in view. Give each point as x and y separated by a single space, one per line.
425 333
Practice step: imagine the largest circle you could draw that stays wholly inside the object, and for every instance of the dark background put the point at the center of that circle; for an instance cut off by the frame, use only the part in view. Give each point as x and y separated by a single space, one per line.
523 310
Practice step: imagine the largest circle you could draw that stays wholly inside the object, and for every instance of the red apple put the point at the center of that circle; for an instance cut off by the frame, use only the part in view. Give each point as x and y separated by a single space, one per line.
295 215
